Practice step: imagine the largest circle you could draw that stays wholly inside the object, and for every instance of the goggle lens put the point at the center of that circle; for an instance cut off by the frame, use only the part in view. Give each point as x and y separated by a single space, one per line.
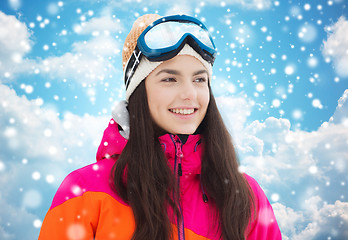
167 34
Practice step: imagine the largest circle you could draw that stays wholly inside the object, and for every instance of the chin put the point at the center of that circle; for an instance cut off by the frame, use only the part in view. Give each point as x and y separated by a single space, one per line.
185 131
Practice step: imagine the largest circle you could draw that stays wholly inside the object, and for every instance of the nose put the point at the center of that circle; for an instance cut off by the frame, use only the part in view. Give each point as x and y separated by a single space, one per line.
188 90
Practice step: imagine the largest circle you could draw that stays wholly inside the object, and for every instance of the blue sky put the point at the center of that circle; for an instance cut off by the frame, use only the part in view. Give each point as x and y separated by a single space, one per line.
281 80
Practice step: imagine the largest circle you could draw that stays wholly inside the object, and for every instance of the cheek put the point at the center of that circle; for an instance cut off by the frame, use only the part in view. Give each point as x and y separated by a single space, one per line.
155 100
205 98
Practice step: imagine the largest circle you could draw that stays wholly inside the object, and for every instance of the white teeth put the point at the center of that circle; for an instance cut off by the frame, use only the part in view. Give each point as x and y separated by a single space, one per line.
182 111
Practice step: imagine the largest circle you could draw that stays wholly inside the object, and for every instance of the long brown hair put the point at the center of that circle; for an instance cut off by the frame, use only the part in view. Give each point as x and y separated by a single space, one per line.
143 178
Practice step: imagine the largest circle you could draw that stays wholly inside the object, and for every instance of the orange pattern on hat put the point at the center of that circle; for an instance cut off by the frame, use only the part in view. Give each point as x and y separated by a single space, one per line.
131 40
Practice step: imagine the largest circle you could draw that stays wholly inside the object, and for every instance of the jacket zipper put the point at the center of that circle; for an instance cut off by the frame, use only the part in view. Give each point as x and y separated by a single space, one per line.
177 165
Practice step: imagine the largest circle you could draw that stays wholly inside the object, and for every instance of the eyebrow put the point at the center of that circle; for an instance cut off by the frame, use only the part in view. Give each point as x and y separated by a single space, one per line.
175 72
169 71
200 72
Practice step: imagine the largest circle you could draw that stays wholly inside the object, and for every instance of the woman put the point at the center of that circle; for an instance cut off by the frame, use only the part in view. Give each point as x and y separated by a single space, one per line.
166 165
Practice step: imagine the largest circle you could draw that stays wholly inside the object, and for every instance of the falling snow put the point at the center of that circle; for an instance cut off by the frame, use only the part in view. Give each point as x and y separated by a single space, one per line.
289 70
281 69
275 197
37 223
50 178
36 176
76 231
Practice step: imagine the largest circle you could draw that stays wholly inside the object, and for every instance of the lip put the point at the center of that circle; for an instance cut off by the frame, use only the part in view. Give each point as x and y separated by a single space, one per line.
186 107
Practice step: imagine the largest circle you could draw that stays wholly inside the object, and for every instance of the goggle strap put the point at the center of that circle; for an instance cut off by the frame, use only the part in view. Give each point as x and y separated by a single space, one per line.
136 56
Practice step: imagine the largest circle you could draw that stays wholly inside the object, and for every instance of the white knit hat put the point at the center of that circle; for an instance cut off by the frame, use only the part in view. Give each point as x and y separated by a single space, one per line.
145 66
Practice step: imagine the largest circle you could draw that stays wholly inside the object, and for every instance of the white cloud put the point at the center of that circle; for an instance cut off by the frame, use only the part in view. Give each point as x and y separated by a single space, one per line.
251 4
272 152
103 46
234 111
38 150
39 133
89 61
279 157
336 46
341 113
179 8
261 144
288 219
16 219
321 220
183 6
15 42
104 24
283 159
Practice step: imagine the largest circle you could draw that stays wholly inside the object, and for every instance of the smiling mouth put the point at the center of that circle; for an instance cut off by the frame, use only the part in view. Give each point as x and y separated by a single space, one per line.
183 111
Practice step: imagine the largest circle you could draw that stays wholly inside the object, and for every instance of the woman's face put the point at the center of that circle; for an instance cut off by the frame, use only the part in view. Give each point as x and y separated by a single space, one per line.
178 94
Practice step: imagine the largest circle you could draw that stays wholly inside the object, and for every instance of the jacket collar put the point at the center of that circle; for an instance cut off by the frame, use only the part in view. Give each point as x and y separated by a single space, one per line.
191 153
113 143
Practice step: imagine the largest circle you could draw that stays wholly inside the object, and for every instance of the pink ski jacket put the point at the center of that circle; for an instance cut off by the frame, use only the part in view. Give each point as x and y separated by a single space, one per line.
86 207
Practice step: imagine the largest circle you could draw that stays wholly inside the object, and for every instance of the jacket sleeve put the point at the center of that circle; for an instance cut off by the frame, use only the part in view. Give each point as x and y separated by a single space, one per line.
264 225
70 215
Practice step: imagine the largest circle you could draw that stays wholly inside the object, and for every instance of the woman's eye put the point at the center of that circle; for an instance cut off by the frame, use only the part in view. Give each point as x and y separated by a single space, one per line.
202 79
168 80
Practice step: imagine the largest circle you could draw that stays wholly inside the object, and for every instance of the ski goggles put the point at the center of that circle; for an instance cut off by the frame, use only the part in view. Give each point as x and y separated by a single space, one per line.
164 38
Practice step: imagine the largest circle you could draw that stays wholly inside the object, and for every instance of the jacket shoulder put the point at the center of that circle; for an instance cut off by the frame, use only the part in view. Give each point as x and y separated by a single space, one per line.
264 224
95 177
254 185
86 207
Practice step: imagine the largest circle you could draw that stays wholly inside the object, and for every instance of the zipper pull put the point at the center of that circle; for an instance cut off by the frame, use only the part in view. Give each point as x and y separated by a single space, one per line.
179 170
179 154
178 150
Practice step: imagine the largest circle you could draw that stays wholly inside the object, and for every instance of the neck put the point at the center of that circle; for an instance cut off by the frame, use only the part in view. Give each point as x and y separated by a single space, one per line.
183 137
